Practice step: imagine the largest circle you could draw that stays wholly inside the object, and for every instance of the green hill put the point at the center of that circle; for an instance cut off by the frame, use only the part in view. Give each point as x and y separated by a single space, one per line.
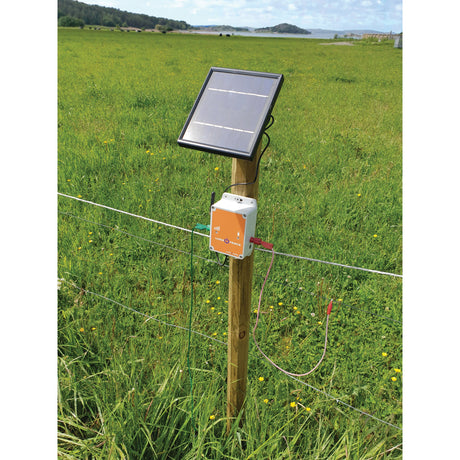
284 29
111 17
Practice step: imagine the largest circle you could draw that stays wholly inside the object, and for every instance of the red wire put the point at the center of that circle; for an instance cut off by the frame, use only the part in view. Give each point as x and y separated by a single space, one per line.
257 322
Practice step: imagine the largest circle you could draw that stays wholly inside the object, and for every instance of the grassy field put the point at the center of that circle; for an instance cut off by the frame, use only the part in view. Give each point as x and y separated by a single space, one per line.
330 189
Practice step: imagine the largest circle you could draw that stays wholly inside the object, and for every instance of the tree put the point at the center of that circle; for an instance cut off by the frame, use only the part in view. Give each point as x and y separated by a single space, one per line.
68 21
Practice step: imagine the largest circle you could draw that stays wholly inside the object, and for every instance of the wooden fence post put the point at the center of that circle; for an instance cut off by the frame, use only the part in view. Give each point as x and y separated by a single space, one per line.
239 302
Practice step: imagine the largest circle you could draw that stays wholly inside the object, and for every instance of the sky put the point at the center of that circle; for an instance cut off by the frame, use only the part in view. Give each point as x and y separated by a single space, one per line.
380 15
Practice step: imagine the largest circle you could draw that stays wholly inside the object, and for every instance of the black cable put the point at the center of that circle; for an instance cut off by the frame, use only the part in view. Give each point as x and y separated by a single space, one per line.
269 124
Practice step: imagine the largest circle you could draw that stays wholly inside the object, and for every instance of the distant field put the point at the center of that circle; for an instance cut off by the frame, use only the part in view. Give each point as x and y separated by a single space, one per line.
330 189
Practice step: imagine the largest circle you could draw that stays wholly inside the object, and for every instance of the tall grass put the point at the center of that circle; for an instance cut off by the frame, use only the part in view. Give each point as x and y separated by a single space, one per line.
330 189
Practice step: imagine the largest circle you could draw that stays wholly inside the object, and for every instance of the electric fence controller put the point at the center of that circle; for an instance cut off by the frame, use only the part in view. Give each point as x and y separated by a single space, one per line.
233 223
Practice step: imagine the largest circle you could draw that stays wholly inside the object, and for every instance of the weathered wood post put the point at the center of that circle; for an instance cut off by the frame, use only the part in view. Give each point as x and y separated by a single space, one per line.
239 302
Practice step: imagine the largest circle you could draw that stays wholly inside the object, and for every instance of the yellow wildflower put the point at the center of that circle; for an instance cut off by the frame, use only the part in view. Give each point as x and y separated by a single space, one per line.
293 404
261 379
212 417
384 354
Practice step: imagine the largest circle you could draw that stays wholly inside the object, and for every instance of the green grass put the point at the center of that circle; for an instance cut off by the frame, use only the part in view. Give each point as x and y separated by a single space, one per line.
330 181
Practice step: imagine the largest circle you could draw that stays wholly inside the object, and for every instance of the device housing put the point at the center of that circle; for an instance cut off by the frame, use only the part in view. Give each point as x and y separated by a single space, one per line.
233 223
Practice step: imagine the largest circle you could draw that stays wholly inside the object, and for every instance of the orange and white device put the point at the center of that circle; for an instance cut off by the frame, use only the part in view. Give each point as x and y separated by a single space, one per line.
233 223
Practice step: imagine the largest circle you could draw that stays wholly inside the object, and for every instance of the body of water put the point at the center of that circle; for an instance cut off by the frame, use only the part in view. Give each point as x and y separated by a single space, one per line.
325 34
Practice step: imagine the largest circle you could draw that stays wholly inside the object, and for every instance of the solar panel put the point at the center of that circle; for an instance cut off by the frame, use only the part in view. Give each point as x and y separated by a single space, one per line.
231 111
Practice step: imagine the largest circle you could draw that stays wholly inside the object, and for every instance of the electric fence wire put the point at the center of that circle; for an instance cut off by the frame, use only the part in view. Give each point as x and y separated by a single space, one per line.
149 317
207 236
271 280
337 400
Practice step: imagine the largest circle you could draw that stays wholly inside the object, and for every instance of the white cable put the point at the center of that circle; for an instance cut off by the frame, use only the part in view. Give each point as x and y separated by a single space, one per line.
332 263
207 236
131 214
144 314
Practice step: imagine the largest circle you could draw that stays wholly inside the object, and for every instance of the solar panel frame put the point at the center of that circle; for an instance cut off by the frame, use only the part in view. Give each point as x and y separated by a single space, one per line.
249 99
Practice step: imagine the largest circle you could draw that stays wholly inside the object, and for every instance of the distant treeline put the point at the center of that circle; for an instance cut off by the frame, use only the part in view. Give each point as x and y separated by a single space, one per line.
111 17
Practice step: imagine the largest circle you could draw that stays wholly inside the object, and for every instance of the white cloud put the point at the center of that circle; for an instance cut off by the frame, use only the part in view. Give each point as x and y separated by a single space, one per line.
292 7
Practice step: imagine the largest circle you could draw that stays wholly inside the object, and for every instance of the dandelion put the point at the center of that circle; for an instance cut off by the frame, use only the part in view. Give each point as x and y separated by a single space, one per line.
255 311
90 241
293 404
217 282
218 298
208 301
93 328
375 236
340 300
212 417
280 303
394 379
397 370
219 313
82 329
261 379
160 337
224 333
216 168
212 308
308 409
384 354
100 273
359 194
271 307
78 196
320 322
295 308
266 401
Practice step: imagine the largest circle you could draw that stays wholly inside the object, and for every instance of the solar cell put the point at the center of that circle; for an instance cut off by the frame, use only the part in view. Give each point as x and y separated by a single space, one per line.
231 111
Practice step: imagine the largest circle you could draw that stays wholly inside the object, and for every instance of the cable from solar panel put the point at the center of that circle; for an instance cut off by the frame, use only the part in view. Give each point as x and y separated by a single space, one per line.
269 125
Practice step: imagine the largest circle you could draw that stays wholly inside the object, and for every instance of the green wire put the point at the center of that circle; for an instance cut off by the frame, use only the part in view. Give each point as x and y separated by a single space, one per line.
197 227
